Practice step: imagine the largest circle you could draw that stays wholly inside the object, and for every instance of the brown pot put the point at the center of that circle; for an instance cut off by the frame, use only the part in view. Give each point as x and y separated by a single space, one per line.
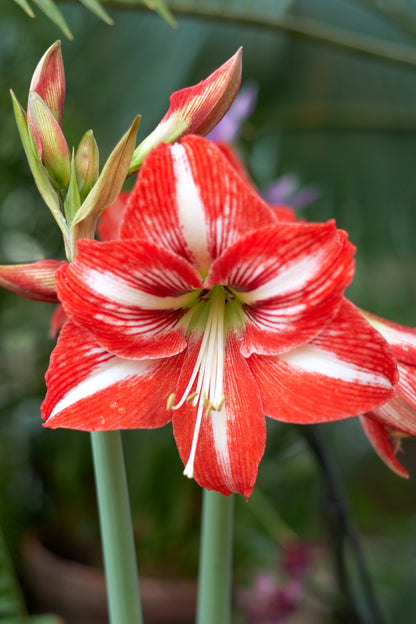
76 592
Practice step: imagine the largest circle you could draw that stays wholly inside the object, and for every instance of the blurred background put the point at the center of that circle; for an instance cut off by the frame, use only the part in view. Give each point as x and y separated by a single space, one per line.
330 116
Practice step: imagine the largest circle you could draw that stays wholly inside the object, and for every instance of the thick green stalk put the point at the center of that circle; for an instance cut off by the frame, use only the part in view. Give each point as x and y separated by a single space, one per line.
116 529
215 561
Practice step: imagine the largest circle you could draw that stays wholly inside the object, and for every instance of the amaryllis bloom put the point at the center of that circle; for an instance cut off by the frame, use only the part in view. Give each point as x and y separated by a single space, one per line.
387 424
211 313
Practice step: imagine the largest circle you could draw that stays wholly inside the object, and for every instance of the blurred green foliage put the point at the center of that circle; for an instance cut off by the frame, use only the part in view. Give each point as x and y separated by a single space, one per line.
344 123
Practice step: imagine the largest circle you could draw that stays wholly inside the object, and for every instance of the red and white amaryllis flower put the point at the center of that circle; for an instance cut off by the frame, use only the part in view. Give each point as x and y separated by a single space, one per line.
211 313
387 424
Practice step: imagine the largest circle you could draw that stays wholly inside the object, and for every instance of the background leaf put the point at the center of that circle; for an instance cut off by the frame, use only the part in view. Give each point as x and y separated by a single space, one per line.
51 10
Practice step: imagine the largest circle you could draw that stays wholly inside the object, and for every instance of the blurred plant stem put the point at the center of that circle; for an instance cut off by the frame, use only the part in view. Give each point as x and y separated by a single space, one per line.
215 559
343 534
250 14
116 529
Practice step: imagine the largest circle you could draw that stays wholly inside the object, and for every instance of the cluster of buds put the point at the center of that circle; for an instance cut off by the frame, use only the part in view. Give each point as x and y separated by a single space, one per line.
70 182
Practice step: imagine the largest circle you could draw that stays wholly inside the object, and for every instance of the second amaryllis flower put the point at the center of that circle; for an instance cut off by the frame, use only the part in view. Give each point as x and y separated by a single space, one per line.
211 313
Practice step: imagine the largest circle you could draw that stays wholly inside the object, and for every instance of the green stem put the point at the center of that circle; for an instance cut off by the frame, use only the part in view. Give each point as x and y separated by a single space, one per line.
215 562
116 529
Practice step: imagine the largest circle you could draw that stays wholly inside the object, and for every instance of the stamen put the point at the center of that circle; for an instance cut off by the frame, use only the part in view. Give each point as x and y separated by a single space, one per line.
171 401
220 404
191 397
209 370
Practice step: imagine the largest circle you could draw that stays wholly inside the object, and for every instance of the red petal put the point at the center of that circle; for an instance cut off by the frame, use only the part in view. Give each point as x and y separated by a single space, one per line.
402 339
400 412
290 278
231 442
346 370
34 281
92 390
284 213
381 443
108 226
234 160
130 295
57 321
190 200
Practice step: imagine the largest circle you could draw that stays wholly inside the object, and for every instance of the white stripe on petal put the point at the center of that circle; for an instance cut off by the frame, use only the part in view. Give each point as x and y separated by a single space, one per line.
291 279
314 360
219 431
102 377
115 289
191 211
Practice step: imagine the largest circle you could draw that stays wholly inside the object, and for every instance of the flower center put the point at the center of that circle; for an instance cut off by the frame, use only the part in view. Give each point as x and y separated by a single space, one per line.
208 371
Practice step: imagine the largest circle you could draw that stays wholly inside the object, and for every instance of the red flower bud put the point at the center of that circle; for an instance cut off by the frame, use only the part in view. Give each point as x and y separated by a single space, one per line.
48 81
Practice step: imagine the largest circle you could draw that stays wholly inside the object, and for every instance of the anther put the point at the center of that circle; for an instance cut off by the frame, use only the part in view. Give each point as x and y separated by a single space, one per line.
220 403
171 401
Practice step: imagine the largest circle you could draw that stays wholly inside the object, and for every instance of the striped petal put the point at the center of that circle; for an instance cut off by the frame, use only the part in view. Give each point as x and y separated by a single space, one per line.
402 339
93 390
346 370
231 441
384 443
289 278
399 413
189 199
130 295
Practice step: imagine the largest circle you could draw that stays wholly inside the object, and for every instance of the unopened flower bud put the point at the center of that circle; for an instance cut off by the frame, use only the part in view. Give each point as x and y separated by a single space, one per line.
33 281
196 109
87 163
48 81
50 142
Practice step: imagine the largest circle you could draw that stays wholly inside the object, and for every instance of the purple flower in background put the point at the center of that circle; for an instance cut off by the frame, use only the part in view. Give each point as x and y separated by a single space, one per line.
285 190
272 599
229 127
269 601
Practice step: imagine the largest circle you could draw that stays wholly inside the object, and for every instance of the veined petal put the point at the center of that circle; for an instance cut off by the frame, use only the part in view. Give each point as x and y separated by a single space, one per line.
130 295
93 390
281 211
234 160
34 281
381 442
402 339
289 279
345 368
109 222
399 413
189 199
230 441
